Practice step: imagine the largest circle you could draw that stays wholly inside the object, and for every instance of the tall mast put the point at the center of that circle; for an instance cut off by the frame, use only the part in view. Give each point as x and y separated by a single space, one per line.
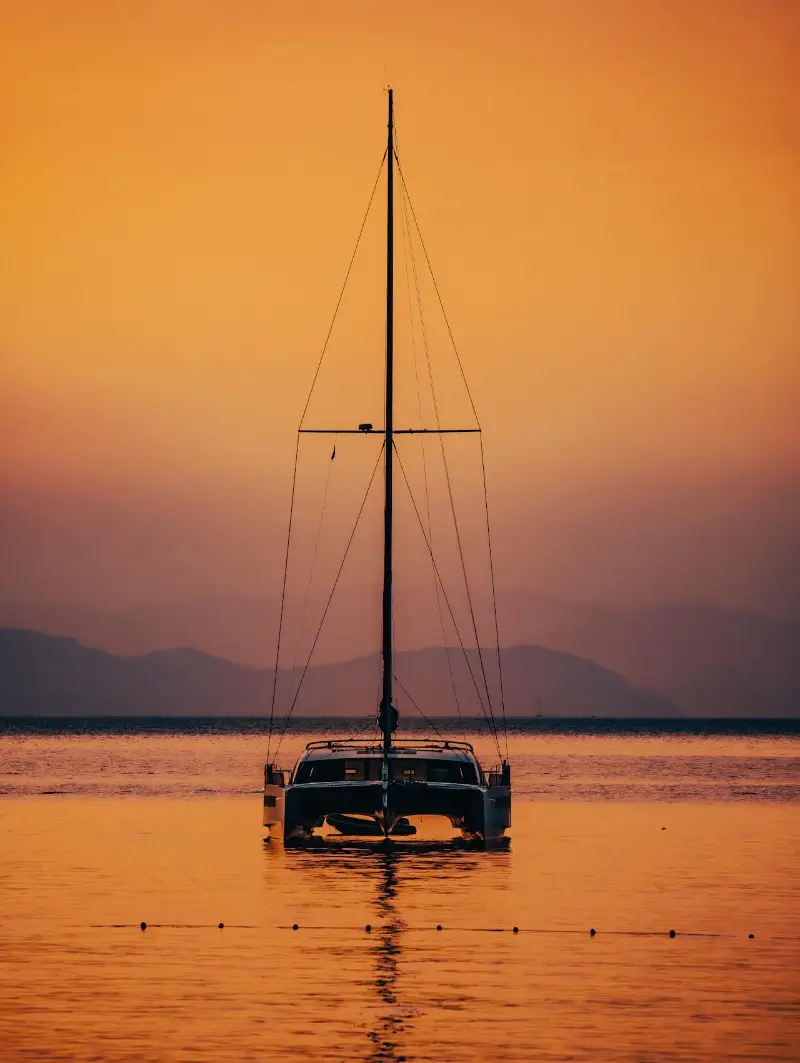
386 711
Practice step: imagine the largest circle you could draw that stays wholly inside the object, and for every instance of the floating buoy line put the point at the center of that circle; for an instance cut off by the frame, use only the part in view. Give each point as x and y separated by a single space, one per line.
433 928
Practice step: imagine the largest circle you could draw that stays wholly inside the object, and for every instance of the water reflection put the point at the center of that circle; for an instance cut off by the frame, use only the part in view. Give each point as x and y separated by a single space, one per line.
404 870
402 891
333 991
391 1024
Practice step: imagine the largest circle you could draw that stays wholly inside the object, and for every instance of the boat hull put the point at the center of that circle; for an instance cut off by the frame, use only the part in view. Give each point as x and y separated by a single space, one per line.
479 812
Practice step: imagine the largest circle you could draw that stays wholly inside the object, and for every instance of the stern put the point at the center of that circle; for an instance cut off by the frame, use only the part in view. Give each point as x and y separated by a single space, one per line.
274 800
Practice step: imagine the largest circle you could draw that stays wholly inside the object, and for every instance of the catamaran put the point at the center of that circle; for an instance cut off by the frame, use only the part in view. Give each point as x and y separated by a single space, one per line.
372 787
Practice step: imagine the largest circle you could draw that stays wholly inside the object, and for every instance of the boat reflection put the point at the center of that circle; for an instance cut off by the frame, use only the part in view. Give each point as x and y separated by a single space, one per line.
359 883
412 860
391 1025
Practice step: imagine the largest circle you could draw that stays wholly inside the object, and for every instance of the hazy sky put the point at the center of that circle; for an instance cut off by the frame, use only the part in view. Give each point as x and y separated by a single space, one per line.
609 195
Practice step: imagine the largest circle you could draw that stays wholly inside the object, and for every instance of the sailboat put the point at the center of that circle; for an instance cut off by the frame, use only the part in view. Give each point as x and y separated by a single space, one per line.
373 787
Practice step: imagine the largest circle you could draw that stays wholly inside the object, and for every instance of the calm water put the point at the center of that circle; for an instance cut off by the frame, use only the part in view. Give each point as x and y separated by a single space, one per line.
101 829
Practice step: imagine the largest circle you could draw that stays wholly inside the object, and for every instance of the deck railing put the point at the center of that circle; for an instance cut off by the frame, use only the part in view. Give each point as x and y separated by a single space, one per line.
274 776
373 746
499 775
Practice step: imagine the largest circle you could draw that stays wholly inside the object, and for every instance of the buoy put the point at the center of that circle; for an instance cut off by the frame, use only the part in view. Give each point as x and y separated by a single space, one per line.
438 926
143 925
515 929
368 928
672 933
592 932
751 935
222 926
295 926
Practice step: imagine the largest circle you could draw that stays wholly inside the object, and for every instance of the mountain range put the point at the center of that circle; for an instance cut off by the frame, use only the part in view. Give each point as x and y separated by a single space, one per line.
45 675
704 660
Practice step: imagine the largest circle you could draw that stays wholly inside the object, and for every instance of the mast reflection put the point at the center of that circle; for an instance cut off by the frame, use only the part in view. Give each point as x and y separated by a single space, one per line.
392 878
391 1023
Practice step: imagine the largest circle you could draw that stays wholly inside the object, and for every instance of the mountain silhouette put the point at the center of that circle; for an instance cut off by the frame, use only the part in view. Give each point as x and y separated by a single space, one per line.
706 660
709 661
45 675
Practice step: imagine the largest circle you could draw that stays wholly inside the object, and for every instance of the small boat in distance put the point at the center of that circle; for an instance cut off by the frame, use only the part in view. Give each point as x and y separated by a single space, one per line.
370 787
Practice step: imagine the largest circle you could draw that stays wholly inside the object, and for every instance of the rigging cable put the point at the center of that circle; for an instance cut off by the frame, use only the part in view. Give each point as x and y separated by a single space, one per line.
436 288
311 571
374 716
407 238
427 719
406 200
489 719
283 601
297 451
494 597
330 599
363 728
341 293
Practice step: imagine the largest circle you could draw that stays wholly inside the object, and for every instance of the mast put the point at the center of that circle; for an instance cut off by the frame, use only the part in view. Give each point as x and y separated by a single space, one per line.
387 714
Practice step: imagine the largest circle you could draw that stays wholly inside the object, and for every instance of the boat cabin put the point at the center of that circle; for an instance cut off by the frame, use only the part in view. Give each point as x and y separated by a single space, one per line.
328 765
342 781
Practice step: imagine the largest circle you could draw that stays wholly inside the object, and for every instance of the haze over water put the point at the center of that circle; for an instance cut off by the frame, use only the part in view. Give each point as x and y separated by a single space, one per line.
607 196
104 829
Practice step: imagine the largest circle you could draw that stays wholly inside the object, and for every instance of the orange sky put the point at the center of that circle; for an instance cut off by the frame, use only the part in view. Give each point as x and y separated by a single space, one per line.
609 194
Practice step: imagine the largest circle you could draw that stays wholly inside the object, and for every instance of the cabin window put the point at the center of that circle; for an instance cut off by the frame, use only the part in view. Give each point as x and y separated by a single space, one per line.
452 771
439 772
405 769
419 770
321 771
337 769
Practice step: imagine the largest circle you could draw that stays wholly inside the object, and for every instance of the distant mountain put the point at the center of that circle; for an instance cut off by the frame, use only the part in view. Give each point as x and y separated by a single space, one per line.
706 660
709 661
238 628
43 675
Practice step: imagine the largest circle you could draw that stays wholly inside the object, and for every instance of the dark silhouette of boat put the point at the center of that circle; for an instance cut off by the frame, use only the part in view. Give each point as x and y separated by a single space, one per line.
369 788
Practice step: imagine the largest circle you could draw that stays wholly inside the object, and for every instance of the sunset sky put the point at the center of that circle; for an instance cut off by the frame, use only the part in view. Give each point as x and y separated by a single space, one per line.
609 196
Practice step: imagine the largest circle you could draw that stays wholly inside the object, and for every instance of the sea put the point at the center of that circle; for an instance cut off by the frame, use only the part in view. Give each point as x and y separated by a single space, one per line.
646 908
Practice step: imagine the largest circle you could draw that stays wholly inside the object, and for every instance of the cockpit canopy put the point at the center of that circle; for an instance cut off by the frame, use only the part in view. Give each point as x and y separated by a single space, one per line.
409 768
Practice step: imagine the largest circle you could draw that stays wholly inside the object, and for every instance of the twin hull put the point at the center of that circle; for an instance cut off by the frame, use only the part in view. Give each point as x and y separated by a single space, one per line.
293 811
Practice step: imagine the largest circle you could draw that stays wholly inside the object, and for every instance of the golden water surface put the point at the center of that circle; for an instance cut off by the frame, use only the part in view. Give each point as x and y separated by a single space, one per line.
160 828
